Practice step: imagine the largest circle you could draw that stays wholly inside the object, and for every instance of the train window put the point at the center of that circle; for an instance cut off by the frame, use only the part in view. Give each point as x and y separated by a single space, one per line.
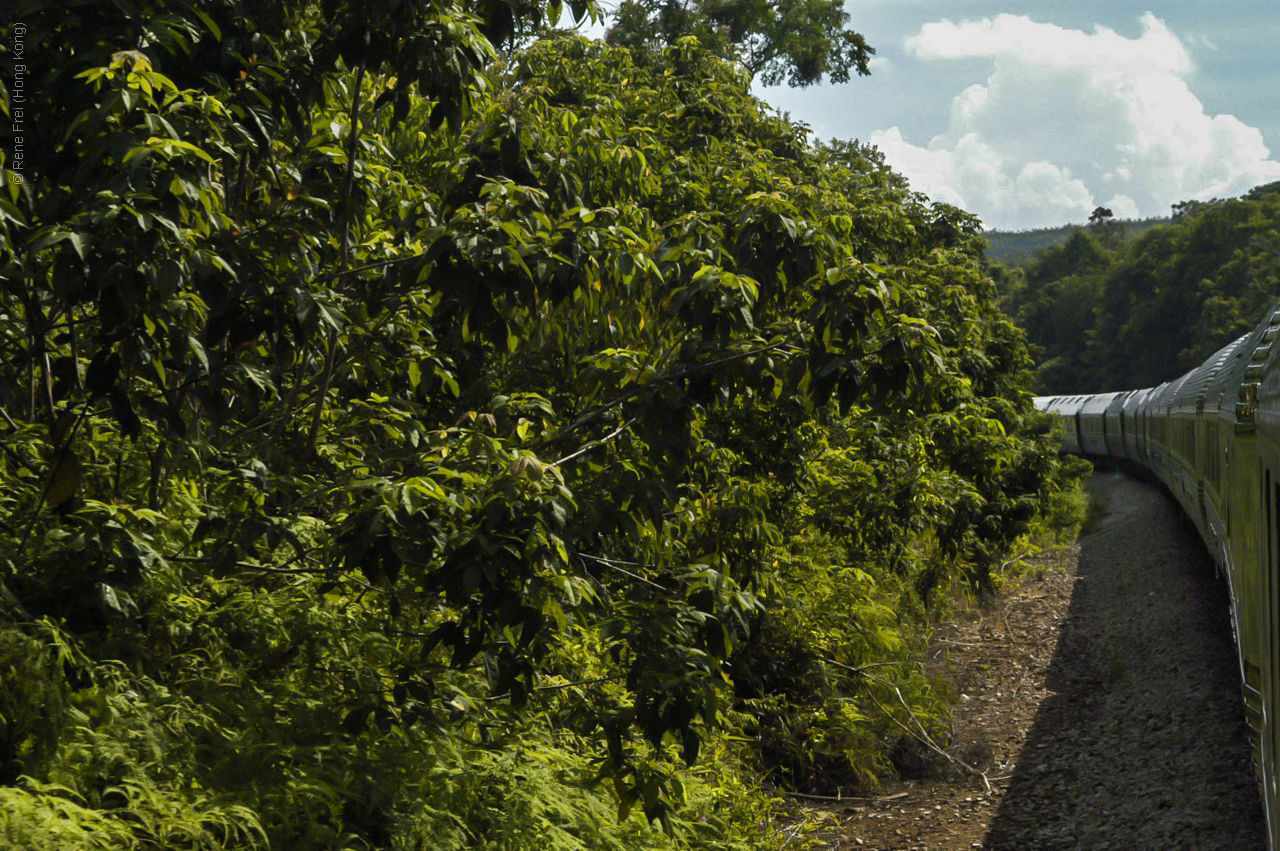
1206 455
1215 465
1226 503
1252 675
1253 713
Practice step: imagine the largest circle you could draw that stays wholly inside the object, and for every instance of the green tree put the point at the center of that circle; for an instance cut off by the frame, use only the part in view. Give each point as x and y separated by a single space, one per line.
799 41
373 409
1112 315
1100 216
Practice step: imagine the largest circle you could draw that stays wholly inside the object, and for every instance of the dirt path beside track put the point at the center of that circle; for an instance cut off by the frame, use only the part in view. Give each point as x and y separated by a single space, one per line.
1101 698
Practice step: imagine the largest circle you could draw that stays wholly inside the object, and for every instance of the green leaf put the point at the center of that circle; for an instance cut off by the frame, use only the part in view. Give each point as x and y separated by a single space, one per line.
47 237
197 349
208 22
8 211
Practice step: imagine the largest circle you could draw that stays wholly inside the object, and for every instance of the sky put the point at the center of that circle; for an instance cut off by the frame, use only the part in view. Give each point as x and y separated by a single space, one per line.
1031 114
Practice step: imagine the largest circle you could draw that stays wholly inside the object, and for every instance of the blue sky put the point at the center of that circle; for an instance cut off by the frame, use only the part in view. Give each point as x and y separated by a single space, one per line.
1030 114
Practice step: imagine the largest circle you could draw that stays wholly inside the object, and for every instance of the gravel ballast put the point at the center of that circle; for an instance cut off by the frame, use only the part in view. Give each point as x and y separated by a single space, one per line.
1101 701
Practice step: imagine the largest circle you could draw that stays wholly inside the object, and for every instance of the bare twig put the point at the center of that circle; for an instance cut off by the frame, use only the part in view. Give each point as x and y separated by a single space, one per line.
970 643
859 670
795 831
808 797
593 444
602 409
922 736
557 686
1019 557
365 268
614 565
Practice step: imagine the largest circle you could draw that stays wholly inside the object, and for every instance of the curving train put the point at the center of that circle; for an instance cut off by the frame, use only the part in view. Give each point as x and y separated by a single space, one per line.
1213 438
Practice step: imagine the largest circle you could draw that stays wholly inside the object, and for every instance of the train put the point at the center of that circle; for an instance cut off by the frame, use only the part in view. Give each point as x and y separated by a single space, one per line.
1212 437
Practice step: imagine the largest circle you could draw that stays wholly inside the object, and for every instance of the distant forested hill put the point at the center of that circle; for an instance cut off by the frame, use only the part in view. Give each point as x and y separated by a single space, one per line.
1019 248
1116 314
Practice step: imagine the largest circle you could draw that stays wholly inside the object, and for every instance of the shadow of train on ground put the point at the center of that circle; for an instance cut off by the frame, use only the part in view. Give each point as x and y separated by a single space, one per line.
1141 746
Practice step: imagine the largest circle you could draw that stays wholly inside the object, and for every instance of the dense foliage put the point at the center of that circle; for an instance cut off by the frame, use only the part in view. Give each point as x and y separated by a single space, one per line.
796 41
404 448
1116 316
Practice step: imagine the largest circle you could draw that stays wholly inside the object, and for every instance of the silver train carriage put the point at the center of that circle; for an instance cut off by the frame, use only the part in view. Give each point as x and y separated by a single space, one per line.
1213 438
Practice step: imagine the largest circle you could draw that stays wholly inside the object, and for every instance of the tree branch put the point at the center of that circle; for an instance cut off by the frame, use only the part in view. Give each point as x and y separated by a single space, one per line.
593 444
613 565
331 355
601 410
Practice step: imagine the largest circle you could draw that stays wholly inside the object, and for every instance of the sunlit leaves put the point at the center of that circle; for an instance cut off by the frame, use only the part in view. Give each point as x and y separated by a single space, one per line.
391 427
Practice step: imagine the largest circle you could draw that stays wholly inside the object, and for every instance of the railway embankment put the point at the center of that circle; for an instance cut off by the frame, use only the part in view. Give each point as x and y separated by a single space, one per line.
1099 701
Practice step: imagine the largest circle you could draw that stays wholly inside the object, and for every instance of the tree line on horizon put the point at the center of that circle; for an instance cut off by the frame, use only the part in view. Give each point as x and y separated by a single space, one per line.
1019 248
1111 311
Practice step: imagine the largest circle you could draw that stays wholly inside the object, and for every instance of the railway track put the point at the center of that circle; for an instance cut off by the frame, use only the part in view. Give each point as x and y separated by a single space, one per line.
1103 703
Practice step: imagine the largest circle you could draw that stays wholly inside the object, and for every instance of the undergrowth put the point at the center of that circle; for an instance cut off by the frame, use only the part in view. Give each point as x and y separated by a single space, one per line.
125 764
1098 507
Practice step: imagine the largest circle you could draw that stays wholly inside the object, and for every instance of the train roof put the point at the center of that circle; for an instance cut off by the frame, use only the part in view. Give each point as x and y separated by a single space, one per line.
1137 397
1099 402
1065 406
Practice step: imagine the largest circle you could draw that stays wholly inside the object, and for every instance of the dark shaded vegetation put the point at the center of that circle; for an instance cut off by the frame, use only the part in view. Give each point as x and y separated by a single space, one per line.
1112 315
404 447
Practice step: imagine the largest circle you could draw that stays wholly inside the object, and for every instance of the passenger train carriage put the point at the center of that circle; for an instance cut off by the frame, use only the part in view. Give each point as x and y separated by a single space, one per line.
1213 438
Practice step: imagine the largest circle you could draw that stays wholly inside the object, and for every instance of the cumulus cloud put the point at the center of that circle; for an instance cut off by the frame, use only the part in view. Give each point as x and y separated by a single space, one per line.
1069 118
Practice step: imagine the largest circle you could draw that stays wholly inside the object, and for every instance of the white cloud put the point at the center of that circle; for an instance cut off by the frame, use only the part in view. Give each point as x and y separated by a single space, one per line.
1201 40
1123 207
1021 38
1068 117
